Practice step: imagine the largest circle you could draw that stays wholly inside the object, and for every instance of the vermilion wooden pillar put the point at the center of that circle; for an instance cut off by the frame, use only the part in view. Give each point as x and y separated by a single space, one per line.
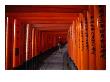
33 42
84 55
9 23
91 39
85 41
70 42
81 42
73 54
99 17
77 42
38 41
16 44
22 43
28 42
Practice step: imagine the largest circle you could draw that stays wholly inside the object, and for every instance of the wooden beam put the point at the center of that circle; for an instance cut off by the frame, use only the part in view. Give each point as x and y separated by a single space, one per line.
46 18
46 8
48 21
51 25
40 14
60 30
53 28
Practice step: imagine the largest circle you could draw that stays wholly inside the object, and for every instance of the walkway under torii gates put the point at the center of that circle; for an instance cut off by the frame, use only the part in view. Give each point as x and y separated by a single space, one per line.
55 37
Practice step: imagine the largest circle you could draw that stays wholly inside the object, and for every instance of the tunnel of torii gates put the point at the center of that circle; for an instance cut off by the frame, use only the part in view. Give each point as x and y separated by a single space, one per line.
31 30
